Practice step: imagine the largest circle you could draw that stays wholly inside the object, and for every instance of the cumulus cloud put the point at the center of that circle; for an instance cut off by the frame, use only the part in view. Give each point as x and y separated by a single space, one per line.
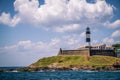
116 33
5 18
63 15
50 47
114 24
113 38
71 27
108 40
82 34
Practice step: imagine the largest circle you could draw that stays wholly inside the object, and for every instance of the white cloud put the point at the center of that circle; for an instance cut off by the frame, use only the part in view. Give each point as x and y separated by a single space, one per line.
94 42
113 38
39 47
71 27
108 40
116 33
82 34
114 24
49 47
6 19
61 14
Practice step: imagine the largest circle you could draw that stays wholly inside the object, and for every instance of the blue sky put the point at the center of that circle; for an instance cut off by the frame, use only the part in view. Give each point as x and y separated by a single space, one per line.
32 29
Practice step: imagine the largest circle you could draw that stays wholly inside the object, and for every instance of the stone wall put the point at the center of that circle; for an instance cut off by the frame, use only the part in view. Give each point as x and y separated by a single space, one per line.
103 52
87 52
74 52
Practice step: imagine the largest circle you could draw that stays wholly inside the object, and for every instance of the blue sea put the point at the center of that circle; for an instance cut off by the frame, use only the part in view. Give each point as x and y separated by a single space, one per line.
60 75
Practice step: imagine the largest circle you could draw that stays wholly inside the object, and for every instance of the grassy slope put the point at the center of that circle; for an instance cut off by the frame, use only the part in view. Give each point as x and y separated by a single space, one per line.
66 61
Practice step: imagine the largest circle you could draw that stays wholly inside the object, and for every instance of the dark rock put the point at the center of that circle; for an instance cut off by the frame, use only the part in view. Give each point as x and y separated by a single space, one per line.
1 71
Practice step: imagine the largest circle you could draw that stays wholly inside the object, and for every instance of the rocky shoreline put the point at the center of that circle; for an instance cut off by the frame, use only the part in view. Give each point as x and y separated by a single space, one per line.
73 68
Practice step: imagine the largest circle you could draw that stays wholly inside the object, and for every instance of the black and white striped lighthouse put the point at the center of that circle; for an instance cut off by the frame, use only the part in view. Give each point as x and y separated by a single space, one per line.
88 36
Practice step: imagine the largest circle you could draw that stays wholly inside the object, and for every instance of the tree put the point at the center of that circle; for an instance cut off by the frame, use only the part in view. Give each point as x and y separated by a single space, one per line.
116 46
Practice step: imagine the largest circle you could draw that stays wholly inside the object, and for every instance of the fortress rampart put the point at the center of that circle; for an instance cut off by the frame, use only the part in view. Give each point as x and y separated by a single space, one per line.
88 52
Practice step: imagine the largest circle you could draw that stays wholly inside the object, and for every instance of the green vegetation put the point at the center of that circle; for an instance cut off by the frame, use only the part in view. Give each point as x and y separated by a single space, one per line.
67 61
60 60
117 46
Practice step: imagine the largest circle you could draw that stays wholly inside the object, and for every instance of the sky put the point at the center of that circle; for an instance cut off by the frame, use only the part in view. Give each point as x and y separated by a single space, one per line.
33 29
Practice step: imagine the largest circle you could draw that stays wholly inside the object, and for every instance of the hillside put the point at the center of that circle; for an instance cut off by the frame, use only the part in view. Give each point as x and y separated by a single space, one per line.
77 63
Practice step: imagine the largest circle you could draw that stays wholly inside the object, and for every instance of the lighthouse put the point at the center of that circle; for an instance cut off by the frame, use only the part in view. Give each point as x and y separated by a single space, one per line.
88 36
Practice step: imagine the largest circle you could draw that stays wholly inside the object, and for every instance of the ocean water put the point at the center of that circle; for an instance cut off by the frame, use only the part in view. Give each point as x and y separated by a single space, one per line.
60 75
